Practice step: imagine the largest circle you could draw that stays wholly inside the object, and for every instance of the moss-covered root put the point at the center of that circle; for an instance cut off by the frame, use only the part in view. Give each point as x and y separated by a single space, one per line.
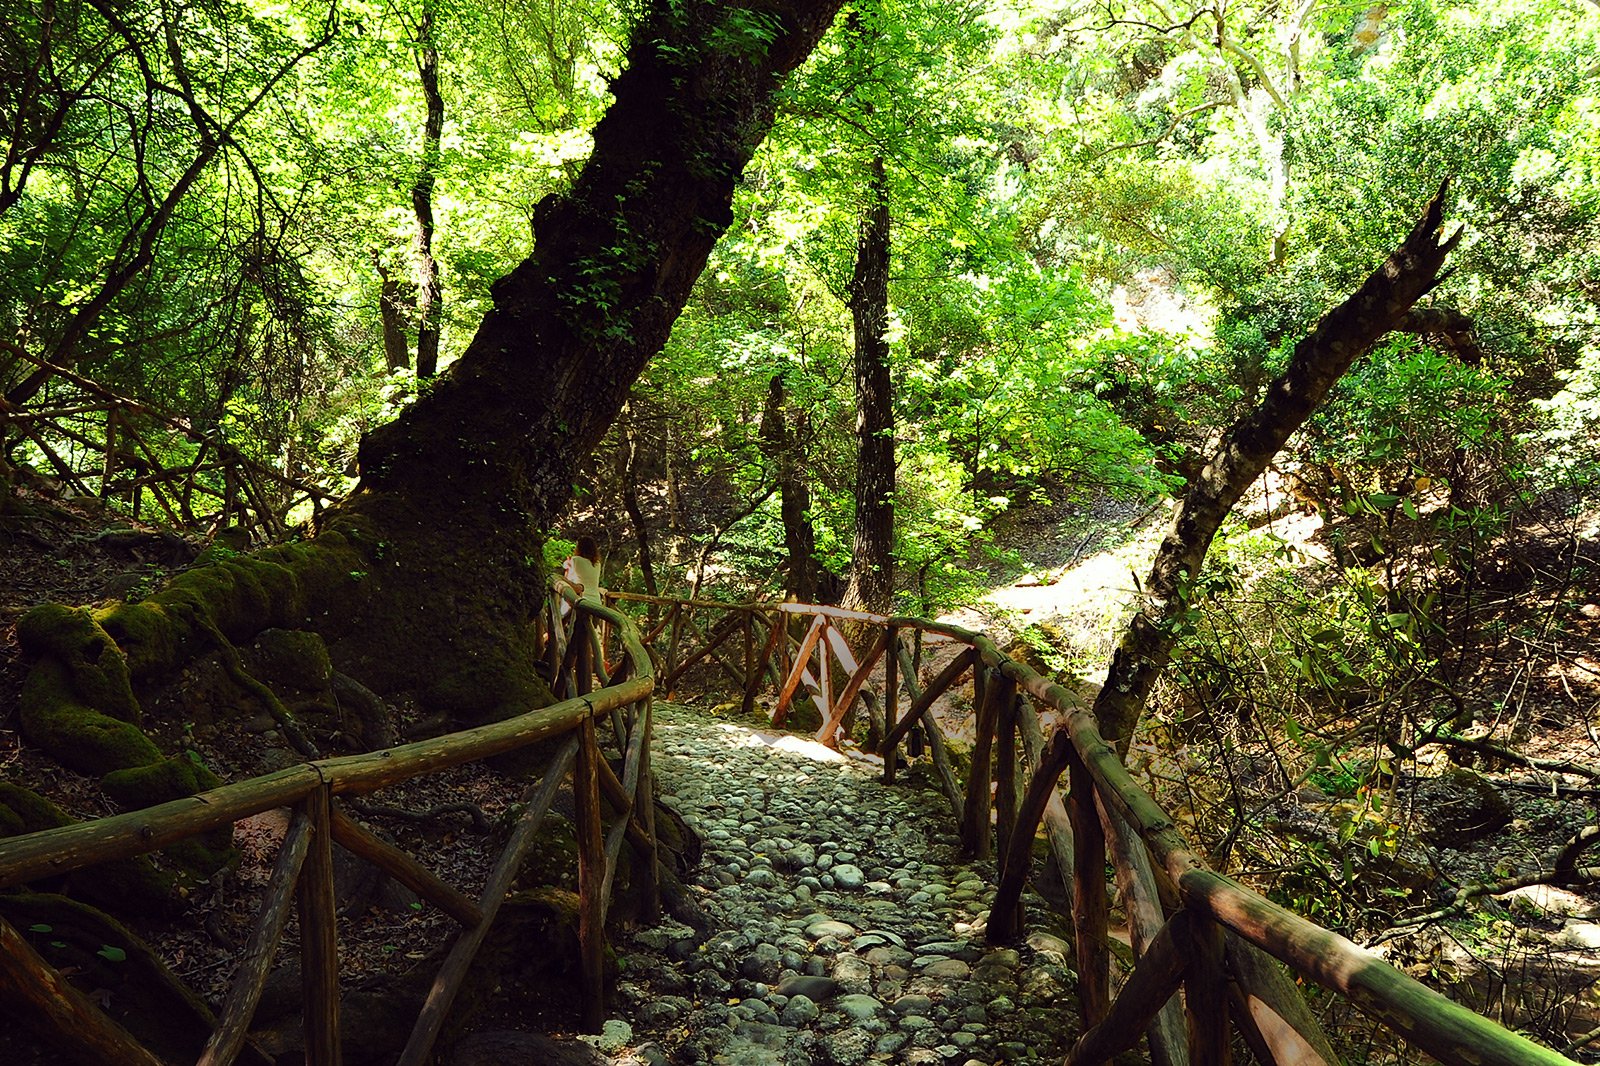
132 885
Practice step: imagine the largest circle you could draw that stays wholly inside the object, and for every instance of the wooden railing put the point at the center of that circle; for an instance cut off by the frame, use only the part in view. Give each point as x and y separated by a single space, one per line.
1191 927
303 874
117 447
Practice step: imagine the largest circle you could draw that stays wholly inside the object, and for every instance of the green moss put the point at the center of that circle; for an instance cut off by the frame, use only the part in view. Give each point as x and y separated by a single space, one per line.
23 810
76 735
147 633
96 669
145 786
487 690
130 884
292 658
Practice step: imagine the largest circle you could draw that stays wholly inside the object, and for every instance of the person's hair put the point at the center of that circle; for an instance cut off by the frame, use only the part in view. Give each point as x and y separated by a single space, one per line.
588 549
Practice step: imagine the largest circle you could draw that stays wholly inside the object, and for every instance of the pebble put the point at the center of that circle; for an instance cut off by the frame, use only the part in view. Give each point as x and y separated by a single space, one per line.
848 932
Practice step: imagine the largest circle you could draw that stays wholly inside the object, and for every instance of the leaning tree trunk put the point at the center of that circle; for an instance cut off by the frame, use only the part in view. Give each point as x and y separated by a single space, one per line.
872 565
1319 360
426 578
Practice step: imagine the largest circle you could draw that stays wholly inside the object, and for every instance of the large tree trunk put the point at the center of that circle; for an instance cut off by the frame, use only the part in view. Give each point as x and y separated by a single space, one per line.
426 578
458 487
872 565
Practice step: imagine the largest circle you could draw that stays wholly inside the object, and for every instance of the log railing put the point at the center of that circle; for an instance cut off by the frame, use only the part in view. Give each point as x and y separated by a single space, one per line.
35 992
1191 928
101 443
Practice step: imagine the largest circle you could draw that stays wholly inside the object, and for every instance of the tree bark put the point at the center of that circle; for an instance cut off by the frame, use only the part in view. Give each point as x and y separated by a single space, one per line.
396 350
784 449
1319 360
453 492
430 292
872 565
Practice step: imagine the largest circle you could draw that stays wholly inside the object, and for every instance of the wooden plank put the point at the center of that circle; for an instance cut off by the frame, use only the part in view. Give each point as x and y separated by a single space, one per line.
1269 1010
319 945
801 657
1169 1045
591 878
1205 988
356 839
447 982
1089 908
822 694
936 688
379 769
891 700
250 975
837 613
840 646
632 766
51 852
829 731
1006 915
976 830
1148 988
35 993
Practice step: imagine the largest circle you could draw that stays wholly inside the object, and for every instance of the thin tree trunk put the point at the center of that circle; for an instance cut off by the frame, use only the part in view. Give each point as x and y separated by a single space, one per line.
430 292
628 476
872 566
783 449
396 348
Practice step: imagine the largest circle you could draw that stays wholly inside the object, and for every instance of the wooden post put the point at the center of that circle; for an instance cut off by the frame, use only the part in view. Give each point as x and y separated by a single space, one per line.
1006 916
1089 925
649 881
671 664
447 982
941 758
976 834
583 644
1147 989
1206 990
1005 769
828 734
1269 1010
591 877
62 1015
250 976
752 680
935 689
891 699
781 710
319 946
1140 902
823 696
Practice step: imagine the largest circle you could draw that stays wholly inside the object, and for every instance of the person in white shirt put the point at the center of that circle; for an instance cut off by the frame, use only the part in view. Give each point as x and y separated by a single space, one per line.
582 571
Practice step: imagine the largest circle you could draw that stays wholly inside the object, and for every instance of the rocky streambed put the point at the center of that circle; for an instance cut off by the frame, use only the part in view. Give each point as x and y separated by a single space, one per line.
845 928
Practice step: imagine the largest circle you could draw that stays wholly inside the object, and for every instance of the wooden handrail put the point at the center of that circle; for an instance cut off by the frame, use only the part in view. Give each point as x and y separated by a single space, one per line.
1105 803
304 870
1432 1022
